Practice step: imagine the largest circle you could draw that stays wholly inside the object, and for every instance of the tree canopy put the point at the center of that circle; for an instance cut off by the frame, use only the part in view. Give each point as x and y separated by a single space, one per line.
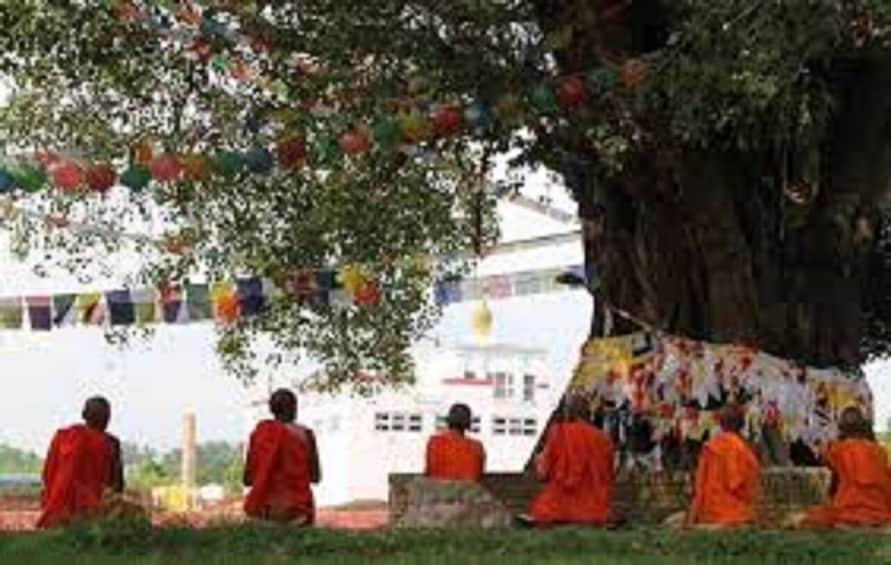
385 118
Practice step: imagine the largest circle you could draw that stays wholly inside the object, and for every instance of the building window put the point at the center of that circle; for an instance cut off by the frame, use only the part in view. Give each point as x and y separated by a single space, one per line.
442 423
529 388
515 427
415 423
475 425
503 385
382 422
527 283
397 422
530 427
499 426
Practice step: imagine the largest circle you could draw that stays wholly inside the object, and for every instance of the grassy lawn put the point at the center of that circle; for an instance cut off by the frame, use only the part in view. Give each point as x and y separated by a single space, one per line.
126 544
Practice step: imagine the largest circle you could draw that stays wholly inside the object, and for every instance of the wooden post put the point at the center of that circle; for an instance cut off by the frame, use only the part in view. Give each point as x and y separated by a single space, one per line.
190 455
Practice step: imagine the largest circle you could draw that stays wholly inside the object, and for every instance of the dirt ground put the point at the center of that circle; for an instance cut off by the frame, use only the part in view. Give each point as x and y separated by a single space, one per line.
367 518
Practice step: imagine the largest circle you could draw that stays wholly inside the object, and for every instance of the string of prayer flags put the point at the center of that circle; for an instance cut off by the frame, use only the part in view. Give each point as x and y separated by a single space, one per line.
502 286
225 302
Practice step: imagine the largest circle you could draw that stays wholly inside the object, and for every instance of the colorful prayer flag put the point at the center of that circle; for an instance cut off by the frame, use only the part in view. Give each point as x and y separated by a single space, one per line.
90 308
40 312
198 301
172 304
309 286
226 308
496 287
64 312
250 296
11 315
326 281
145 305
447 292
527 283
120 308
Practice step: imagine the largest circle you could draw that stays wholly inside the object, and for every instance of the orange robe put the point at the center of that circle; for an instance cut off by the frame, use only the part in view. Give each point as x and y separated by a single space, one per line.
278 464
727 482
453 456
863 489
78 468
577 463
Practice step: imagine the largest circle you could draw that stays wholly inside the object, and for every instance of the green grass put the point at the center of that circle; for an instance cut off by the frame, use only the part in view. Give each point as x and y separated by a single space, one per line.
136 544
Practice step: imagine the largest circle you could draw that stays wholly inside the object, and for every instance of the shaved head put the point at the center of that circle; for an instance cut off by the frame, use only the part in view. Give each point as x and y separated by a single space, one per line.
97 413
283 405
733 418
853 424
459 417
576 407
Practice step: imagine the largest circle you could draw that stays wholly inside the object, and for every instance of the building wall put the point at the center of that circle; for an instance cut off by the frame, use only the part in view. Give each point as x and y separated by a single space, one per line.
364 440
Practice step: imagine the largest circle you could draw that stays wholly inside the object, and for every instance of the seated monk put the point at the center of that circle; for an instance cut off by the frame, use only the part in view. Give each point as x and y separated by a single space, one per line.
282 462
577 463
861 478
451 455
83 461
727 479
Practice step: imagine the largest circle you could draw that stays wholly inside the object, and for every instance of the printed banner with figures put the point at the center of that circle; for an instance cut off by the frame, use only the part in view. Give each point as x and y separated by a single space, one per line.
679 385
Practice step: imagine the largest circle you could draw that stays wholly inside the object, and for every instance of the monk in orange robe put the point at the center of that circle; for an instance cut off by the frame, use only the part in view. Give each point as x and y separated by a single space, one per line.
577 463
83 462
727 479
861 478
451 455
282 462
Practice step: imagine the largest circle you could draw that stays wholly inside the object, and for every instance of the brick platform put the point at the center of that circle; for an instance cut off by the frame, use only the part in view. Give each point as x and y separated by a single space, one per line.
650 498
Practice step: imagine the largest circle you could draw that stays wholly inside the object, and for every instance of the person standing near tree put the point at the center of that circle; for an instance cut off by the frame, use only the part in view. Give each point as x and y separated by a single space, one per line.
282 463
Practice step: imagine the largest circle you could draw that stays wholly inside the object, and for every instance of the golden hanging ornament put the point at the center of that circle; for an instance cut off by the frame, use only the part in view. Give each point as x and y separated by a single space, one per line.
481 320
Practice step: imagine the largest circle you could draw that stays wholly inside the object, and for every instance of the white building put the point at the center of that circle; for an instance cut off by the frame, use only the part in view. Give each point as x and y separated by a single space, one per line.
508 379
363 440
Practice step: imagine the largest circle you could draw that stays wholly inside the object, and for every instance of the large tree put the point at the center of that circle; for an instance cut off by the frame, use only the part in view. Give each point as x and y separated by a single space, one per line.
729 158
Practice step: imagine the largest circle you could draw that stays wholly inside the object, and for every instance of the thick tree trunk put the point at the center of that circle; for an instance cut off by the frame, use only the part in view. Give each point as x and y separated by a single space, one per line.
772 249
741 248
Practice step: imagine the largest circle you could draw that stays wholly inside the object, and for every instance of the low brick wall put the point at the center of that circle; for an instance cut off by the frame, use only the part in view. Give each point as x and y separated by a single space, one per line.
650 498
